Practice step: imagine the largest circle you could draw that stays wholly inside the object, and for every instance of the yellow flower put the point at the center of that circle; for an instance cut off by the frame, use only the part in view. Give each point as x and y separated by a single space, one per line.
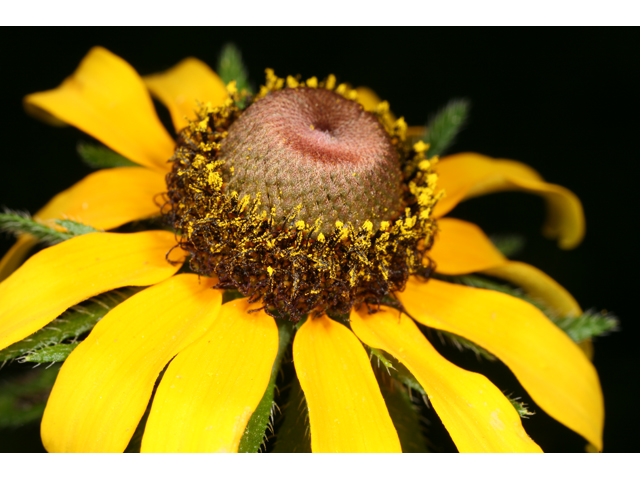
220 356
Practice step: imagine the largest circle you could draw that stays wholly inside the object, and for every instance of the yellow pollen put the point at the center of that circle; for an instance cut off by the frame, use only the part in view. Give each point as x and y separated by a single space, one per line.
424 165
300 224
292 82
331 82
270 271
312 82
421 147
232 88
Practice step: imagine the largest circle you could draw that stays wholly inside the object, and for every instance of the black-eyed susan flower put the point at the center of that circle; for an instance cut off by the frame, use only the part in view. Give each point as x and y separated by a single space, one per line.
316 210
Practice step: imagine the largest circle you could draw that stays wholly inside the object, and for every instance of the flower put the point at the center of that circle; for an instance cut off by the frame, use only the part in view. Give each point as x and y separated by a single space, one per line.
220 355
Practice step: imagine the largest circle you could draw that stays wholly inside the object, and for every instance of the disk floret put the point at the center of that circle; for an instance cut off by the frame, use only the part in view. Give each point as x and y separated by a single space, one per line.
317 254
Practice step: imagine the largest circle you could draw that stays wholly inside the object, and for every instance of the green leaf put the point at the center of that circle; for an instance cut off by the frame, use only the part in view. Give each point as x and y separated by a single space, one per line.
293 434
509 245
54 353
405 417
443 128
254 434
18 223
76 228
231 67
71 324
98 156
22 400
520 407
588 325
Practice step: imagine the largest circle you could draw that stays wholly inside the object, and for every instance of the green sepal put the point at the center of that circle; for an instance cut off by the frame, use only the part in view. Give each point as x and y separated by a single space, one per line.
294 435
520 407
22 400
443 128
54 353
76 228
405 417
231 67
18 224
71 324
21 223
254 433
462 343
397 371
509 245
588 325
98 156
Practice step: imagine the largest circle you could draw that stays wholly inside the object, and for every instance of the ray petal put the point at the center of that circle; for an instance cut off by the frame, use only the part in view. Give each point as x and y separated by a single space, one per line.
468 175
104 199
108 198
461 247
107 99
475 413
16 254
538 285
552 368
346 410
63 275
105 385
212 388
181 88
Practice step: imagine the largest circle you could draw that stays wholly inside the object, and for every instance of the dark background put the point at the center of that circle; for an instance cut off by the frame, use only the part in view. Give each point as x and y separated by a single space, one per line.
563 101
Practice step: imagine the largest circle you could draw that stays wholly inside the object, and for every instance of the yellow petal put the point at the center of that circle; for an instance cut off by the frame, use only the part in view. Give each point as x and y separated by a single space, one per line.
105 199
18 252
538 285
475 413
461 247
108 198
181 88
63 275
346 410
468 175
552 368
211 389
105 385
107 99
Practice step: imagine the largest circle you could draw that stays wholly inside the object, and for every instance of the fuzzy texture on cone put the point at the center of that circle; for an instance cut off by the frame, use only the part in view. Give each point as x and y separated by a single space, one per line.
315 148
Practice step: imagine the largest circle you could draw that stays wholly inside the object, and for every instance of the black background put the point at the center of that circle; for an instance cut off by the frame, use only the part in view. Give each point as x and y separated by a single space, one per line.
563 101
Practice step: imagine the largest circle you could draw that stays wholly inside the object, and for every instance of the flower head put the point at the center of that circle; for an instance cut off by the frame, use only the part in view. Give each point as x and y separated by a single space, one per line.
308 199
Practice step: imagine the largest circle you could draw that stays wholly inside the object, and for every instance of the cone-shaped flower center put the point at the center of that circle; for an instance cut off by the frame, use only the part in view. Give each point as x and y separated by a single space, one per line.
314 149
302 200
